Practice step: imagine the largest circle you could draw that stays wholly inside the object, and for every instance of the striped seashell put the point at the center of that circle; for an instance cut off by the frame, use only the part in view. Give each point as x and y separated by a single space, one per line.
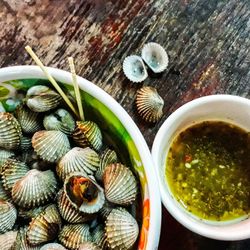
155 56
50 145
10 131
121 229
84 193
28 119
106 209
72 236
149 104
53 246
12 171
108 156
36 188
99 237
31 213
45 226
60 120
87 133
25 144
8 216
89 246
4 155
3 194
84 160
8 240
120 185
41 98
68 212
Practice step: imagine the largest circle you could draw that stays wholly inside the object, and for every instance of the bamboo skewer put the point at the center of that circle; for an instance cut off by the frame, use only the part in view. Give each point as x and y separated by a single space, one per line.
51 79
76 87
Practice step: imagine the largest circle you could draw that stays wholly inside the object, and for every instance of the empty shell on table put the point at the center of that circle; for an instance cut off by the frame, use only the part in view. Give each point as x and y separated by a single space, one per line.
10 131
41 98
72 236
119 184
155 56
28 119
89 246
121 229
45 226
60 120
8 216
84 193
86 134
8 240
53 246
34 189
134 68
50 145
84 160
149 104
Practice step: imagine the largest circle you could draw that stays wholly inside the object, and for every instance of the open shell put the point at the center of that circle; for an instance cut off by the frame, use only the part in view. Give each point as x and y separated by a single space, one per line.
155 56
72 236
28 119
8 240
84 160
119 184
108 156
89 246
8 216
4 155
68 212
41 98
12 171
53 246
10 131
60 120
34 189
121 229
134 68
84 193
86 134
149 104
45 226
50 145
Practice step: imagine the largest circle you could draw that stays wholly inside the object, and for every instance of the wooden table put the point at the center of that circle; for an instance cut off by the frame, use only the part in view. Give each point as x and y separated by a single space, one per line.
208 43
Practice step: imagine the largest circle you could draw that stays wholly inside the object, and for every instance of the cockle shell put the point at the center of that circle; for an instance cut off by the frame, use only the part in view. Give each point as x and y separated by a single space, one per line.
87 133
41 98
84 160
60 120
149 104
155 56
45 226
25 143
99 236
50 145
89 246
8 240
108 156
3 194
12 171
34 189
8 216
68 212
31 213
4 155
72 236
28 119
53 246
10 131
134 68
84 193
121 229
119 184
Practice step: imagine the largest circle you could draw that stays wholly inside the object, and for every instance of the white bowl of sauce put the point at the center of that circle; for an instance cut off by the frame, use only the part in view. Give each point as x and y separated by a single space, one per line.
202 156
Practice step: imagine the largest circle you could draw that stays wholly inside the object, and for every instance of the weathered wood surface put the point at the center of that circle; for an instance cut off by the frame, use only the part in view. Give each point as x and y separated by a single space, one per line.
208 42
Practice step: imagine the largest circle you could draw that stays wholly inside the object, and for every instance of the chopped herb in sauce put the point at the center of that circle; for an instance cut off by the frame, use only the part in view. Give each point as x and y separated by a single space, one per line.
208 170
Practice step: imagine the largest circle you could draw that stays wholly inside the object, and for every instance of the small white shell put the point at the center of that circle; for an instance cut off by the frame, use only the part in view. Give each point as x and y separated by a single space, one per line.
8 216
155 57
8 240
134 68
149 104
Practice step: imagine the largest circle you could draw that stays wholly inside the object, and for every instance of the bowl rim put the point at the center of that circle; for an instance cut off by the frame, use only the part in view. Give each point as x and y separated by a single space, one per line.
210 231
33 72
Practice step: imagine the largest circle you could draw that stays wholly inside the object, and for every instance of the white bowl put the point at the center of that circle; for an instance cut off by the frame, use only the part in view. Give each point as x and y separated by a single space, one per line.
150 232
233 109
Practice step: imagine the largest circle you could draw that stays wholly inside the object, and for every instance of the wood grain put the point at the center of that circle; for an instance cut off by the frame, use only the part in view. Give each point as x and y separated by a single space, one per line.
208 43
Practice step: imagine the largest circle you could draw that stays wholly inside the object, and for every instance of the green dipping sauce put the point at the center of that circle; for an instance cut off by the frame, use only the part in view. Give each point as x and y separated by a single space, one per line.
208 170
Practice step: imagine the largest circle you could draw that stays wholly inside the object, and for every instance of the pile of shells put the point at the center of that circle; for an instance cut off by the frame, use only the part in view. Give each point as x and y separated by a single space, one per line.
60 186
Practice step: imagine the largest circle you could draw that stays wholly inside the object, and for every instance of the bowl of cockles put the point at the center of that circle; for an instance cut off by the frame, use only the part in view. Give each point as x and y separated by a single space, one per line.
75 171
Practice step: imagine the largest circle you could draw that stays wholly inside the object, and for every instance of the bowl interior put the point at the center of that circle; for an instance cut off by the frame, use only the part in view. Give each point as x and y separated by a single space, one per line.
114 134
